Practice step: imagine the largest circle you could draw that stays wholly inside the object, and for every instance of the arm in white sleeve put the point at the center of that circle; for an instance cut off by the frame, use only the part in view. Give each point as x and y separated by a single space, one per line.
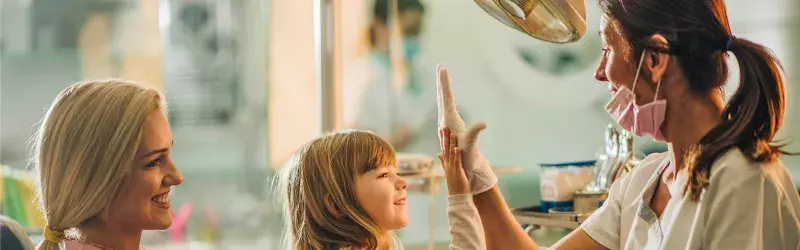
466 230
603 226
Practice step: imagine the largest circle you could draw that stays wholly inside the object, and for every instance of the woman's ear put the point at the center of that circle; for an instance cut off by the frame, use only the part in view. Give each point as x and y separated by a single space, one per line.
656 62
331 206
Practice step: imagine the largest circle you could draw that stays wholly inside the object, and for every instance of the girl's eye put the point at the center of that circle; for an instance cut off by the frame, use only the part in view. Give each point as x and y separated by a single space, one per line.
383 175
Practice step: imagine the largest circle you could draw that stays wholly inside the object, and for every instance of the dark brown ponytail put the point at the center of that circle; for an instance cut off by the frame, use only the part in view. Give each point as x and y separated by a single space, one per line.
749 121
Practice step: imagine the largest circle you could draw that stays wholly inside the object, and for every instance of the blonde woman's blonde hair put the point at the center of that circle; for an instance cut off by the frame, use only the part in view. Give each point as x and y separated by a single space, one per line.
84 148
327 168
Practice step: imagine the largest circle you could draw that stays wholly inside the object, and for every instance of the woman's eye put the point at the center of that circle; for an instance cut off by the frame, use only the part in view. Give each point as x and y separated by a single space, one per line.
383 175
154 163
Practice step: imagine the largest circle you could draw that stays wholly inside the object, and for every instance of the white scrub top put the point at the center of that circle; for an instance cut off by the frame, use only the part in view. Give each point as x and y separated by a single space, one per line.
746 205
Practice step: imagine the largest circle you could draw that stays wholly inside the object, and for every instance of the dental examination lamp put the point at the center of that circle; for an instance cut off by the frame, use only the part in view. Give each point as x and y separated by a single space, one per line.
556 21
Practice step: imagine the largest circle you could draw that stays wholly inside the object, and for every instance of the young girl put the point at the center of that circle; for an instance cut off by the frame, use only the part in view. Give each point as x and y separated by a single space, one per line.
342 191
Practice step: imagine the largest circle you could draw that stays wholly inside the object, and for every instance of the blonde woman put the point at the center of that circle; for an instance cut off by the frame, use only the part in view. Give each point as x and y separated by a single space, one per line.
343 192
102 156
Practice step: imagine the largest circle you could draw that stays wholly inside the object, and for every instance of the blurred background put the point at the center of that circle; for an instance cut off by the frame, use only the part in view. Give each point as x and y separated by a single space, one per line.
241 81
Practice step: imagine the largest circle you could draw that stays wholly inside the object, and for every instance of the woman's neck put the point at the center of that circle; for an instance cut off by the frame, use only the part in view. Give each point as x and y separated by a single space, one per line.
113 238
690 120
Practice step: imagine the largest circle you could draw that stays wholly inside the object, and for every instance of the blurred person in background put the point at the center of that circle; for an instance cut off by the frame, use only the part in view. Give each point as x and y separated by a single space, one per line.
102 156
398 111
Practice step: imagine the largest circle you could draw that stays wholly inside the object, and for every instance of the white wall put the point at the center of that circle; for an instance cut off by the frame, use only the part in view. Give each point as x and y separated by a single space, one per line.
292 100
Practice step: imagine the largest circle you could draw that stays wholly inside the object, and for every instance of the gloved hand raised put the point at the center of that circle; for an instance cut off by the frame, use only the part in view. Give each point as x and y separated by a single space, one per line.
479 173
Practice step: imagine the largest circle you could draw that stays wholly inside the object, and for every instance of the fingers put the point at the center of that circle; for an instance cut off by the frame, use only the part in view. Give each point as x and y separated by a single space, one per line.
443 88
450 158
441 139
453 140
439 100
447 142
452 147
457 156
474 131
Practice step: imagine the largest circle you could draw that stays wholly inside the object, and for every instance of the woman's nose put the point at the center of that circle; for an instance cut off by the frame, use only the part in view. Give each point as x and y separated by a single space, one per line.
600 72
174 176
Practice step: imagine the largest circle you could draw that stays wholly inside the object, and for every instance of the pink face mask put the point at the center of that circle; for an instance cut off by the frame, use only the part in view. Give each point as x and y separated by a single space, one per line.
641 120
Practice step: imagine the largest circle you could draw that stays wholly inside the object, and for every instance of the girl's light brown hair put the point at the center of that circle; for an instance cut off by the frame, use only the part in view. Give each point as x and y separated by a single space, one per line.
326 169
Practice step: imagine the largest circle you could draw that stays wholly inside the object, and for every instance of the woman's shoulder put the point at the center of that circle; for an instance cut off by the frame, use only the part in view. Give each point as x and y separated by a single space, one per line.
648 166
734 164
635 181
77 245
654 160
735 170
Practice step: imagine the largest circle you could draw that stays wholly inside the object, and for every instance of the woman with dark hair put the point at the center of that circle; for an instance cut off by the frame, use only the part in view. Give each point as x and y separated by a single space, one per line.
720 186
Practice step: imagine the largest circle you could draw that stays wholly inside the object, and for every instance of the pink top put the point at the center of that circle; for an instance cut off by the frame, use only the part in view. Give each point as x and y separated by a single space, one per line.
75 245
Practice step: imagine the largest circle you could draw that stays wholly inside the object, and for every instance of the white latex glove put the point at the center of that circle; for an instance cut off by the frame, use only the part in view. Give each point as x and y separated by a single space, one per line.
479 173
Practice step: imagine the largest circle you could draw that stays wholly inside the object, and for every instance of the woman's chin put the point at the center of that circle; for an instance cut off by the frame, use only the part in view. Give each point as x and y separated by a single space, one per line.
160 223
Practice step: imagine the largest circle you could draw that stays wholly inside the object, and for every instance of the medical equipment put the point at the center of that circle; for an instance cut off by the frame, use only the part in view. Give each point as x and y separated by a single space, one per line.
606 161
617 159
557 21
560 181
627 159
587 201
414 163
571 191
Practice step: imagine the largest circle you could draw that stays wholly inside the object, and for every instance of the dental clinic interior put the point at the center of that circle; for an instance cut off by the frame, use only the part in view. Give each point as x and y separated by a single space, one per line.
249 82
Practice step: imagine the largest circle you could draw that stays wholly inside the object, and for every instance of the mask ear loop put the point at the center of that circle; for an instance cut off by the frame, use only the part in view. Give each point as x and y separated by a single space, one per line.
636 78
638 69
658 86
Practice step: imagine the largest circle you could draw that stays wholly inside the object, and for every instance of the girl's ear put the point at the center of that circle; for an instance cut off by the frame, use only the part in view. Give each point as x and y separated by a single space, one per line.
331 206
